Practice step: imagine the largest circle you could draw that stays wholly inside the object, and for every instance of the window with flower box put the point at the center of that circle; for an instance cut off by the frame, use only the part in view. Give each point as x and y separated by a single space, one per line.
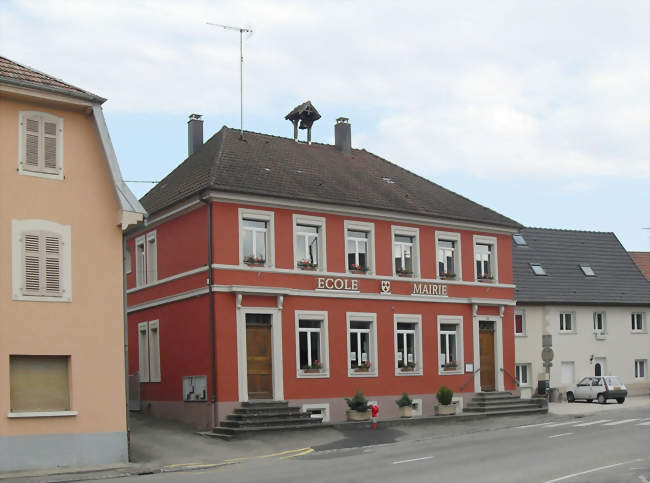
450 347
312 355
359 246
408 344
309 242
405 251
448 255
256 240
485 258
362 344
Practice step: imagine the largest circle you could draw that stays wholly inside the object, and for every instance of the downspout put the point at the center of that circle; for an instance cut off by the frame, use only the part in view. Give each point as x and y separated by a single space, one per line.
213 356
126 350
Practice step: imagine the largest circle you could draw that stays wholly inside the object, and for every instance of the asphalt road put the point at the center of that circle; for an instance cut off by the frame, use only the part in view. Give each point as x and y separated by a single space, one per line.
606 447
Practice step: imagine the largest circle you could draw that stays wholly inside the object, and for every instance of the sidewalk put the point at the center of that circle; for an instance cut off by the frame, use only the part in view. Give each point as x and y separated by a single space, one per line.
581 408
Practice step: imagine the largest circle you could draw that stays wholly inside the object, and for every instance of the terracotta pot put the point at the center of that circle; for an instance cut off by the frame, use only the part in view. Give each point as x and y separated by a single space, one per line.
406 412
357 415
442 410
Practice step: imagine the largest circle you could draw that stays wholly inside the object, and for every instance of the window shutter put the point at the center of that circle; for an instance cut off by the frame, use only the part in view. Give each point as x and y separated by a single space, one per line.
52 264
49 145
32 134
143 351
32 263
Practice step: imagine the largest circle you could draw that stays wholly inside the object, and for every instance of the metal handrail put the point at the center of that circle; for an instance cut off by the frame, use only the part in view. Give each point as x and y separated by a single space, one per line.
471 376
513 378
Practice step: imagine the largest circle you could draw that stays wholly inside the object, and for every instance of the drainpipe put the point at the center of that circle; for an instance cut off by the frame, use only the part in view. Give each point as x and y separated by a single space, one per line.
213 358
126 350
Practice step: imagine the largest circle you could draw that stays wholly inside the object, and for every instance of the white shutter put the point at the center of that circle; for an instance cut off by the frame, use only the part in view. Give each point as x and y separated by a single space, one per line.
49 145
154 352
32 129
152 257
32 256
52 264
143 351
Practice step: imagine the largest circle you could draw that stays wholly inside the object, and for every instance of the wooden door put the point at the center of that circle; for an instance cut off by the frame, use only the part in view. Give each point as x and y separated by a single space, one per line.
486 347
258 355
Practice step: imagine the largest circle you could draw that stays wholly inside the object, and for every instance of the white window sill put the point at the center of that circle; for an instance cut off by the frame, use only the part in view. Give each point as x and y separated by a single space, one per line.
42 414
41 174
451 373
352 373
521 335
41 298
417 372
639 332
313 375
567 332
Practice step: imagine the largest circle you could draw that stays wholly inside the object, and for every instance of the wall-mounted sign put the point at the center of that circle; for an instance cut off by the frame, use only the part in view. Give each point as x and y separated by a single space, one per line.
385 286
324 283
429 289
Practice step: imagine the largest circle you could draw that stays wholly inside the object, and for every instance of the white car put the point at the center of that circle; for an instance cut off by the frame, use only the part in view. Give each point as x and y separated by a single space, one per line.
601 388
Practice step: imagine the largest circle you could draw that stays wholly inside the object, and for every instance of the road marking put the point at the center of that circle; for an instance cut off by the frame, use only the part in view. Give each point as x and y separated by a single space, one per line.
308 450
643 479
573 475
558 435
581 425
410 461
560 424
647 423
623 421
534 425
284 452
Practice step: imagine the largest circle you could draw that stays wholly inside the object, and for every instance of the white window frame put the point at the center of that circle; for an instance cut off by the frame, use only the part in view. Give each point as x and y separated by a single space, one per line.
41 171
460 340
374 363
523 322
455 237
518 371
146 263
415 250
562 327
603 330
324 343
368 228
323 407
640 317
494 259
415 319
417 406
258 215
128 261
638 363
149 351
316 221
18 229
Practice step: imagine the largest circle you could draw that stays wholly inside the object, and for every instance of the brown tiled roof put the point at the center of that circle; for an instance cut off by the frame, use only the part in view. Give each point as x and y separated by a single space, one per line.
274 166
18 74
642 260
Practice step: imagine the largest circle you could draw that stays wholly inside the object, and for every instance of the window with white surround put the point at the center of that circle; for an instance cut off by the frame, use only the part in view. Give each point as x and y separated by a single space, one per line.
485 258
448 255
41 145
638 322
149 351
520 323
408 344
450 344
39 384
146 259
362 344
359 246
312 354
318 411
41 261
600 326
567 325
309 242
522 374
405 251
640 369
256 237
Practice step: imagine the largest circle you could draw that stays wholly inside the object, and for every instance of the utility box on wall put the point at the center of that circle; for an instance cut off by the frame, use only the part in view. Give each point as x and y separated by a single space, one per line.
195 388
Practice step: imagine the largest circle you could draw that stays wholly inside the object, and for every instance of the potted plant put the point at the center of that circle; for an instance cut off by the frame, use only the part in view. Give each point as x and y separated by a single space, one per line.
359 409
358 268
484 277
405 404
363 367
447 275
445 407
409 367
403 272
307 265
252 260
313 368
450 366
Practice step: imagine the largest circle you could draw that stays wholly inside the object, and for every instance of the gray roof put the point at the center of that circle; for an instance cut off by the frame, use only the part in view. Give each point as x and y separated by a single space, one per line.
280 167
617 280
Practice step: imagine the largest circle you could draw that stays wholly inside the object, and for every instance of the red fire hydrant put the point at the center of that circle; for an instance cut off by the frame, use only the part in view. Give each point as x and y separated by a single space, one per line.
374 409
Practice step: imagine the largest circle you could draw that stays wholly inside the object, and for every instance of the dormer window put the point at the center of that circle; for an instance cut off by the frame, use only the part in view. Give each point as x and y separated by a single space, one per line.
587 270
537 269
519 239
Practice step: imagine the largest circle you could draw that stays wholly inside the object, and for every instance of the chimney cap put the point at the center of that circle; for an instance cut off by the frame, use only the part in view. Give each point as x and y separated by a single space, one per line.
195 117
340 120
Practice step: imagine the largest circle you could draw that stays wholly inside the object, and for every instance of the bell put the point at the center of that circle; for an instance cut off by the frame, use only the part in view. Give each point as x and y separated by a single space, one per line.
303 125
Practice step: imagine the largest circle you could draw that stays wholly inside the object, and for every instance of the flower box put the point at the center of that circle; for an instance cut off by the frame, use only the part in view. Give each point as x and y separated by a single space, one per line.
307 265
406 412
405 274
407 369
304 267
450 367
448 276
362 369
442 410
357 269
357 415
311 371
252 261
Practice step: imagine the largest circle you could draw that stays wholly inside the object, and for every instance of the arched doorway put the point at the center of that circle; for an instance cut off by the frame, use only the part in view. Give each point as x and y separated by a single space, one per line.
597 369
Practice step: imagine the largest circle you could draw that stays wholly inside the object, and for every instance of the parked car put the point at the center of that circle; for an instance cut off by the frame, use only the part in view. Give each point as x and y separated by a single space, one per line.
601 388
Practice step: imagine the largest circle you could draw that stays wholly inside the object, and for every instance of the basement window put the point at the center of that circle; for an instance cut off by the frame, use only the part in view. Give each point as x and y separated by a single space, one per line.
537 269
587 270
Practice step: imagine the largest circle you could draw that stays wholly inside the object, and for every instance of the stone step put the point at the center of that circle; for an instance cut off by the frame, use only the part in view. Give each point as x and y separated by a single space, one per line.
264 403
532 410
266 415
231 423
267 410
500 402
471 408
231 433
493 395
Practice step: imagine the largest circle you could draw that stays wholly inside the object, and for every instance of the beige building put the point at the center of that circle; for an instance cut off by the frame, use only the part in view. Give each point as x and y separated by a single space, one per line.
583 290
63 206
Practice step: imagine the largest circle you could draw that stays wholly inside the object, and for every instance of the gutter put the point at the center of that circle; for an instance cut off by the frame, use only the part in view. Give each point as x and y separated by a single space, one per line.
70 92
213 356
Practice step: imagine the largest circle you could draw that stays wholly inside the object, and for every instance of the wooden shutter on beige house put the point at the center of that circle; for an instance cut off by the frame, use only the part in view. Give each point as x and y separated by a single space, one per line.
49 146
42 254
39 383
41 143
32 142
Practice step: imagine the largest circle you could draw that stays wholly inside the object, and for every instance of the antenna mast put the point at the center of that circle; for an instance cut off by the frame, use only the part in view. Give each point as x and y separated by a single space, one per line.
241 31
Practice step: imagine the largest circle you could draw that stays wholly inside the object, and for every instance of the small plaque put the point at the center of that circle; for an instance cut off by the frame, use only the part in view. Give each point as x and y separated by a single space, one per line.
469 367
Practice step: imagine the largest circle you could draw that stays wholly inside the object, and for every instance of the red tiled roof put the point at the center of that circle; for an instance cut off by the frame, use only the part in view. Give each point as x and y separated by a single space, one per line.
642 259
16 73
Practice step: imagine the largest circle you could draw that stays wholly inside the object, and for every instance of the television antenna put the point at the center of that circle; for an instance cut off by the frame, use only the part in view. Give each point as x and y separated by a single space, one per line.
241 31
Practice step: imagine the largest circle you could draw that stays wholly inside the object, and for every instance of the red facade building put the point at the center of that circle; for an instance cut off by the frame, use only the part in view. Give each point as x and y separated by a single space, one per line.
272 268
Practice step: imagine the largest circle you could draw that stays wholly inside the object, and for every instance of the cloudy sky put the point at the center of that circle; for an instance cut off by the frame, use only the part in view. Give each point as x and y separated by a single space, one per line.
539 110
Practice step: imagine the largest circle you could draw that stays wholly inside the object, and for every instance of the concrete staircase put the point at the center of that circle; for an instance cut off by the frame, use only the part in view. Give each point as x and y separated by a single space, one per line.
504 403
262 416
